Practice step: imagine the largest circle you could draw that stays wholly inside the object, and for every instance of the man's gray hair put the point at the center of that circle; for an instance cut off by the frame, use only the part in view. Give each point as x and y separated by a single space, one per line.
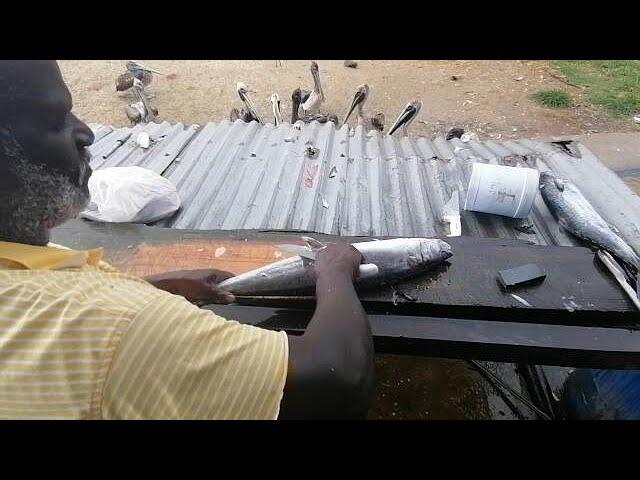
38 199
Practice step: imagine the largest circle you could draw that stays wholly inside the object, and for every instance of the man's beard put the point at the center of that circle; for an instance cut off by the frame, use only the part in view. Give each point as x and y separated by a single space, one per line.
41 201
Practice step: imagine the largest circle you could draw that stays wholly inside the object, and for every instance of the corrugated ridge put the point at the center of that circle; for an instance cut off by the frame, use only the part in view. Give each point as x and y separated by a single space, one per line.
240 175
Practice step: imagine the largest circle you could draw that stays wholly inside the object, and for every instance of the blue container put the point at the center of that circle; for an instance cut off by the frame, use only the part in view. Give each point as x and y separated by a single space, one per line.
602 395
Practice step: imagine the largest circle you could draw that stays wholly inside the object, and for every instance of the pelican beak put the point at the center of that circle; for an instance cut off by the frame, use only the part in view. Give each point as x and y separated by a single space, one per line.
144 67
318 84
407 115
358 98
250 107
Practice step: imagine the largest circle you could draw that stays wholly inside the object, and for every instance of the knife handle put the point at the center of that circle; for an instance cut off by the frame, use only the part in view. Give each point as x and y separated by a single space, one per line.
367 270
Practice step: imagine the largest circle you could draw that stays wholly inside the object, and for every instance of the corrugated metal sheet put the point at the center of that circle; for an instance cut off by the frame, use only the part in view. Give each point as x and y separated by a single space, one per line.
239 175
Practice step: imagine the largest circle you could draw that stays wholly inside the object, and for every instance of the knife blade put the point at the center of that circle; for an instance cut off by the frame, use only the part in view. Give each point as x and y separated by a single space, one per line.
617 272
365 270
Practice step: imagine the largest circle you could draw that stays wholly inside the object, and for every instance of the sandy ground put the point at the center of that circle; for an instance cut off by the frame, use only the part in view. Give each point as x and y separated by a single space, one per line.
490 98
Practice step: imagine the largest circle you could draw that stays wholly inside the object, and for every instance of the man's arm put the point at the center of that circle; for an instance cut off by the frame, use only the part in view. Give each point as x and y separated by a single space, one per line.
331 368
197 286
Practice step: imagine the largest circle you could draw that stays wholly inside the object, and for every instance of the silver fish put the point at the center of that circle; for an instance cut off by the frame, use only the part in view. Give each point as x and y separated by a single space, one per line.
575 214
394 259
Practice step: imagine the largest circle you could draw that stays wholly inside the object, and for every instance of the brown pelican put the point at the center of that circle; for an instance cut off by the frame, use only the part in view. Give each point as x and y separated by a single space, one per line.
405 118
296 100
140 111
134 70
316 98
362 94
249 113
277 113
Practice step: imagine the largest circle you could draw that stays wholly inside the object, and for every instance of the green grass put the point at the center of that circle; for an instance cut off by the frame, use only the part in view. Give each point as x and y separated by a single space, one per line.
613 84
553 98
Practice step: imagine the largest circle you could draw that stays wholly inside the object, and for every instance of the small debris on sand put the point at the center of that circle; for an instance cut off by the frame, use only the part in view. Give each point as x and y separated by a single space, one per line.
351 64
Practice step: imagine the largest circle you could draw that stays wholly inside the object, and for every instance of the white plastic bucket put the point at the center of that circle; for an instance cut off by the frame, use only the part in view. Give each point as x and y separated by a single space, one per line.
508 191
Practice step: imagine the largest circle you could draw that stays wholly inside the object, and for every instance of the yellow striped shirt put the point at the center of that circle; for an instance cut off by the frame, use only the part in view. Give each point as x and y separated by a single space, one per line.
80 340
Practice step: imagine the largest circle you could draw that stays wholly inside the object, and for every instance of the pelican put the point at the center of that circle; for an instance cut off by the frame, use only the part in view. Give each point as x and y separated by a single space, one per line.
316 98
140 111
277 113
362 94
249 113
455 132
135 70
298 97
405 118
296 100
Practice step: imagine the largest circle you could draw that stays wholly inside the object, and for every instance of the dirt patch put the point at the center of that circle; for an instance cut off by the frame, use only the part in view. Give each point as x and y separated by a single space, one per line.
491 98
427 388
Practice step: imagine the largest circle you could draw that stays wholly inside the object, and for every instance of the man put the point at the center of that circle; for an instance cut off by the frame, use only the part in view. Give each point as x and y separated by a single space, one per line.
80 340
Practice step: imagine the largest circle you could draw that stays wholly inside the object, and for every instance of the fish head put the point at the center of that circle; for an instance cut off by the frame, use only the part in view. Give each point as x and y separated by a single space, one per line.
550 180
434 250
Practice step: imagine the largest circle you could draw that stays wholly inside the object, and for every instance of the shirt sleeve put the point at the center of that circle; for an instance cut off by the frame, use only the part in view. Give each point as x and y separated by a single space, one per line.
178 361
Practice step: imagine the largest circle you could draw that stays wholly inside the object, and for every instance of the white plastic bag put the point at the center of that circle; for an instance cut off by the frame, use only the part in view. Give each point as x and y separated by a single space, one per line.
130 194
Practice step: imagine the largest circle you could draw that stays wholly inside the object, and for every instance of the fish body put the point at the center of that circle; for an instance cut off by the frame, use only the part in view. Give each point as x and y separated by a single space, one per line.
575 214
395 259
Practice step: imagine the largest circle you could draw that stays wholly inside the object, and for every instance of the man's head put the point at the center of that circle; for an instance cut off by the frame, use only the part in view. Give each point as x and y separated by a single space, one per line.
44 162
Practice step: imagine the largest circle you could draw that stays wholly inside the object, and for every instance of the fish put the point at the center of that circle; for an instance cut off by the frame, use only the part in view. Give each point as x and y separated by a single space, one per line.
576 215
387 260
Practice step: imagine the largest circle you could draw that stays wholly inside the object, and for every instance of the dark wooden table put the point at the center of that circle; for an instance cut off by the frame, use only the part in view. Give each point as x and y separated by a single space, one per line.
578 316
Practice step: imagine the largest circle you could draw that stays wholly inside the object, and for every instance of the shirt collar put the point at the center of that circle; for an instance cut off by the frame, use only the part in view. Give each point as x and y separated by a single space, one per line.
51 257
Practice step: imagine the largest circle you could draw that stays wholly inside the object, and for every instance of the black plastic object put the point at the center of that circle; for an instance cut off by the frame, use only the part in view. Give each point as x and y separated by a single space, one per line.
523 275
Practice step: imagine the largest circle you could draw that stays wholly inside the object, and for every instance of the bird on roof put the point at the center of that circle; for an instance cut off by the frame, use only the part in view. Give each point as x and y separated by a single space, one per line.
277 112
296 100
298 97
455 132
312 103
408 115
140 111
248 113
359 99
135 70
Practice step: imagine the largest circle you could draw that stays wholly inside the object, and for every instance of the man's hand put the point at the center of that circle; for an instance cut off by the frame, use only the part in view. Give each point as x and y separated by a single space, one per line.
338 259
197 286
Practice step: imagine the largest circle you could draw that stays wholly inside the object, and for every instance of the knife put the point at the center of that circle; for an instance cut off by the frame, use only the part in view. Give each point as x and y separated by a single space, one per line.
366 270
606 258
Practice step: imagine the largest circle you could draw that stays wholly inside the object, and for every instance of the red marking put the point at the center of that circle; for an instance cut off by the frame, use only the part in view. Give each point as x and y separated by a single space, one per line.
310 175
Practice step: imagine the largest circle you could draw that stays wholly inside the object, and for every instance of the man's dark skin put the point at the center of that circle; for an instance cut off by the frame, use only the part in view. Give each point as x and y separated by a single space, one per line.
331 371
